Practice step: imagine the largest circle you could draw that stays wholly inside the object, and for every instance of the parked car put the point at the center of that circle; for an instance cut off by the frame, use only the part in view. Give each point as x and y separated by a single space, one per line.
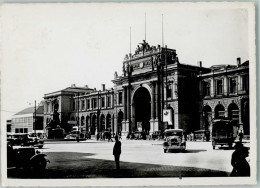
174 140
224 132
157 135
36 140
25 158
201 135
24 139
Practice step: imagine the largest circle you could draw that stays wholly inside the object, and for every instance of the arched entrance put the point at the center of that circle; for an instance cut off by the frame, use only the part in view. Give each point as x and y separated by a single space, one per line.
87 123
93 124
119 121
142 109
102 122
207 117
219 111
108 122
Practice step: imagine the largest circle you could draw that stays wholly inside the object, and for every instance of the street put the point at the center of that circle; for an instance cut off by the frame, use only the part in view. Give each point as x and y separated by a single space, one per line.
139 158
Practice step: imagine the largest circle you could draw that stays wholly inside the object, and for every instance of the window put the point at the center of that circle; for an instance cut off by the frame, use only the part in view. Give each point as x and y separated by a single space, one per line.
245 82
88 103
219 87
206 88
120 97
233 85
169 91
94 103
108 101
82 104
235 115
221 114
102 102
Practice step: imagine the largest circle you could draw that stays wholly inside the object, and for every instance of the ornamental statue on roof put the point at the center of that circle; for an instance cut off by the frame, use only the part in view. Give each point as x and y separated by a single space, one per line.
143 47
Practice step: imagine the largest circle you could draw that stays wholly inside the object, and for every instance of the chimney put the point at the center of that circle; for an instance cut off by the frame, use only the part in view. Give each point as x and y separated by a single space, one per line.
238 61
103 87
199 63
73 85
86 86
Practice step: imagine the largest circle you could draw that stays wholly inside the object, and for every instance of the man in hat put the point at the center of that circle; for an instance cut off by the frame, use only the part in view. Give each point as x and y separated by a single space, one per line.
117 152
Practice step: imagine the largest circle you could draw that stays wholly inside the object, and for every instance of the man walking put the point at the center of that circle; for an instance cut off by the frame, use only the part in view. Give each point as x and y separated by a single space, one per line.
117 152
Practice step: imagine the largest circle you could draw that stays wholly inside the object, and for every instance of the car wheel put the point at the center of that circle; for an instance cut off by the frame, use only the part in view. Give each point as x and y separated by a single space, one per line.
165 150
40 164
214 147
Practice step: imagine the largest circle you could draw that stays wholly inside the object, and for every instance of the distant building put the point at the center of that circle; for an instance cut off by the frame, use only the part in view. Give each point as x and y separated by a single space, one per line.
22 122
60 105
154 92
8 125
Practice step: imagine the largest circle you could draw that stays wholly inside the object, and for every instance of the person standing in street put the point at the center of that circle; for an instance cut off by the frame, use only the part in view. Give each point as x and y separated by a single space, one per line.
117 152
241 134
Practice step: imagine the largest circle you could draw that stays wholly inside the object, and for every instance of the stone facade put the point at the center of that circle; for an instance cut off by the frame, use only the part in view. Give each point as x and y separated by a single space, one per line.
224 93
153 80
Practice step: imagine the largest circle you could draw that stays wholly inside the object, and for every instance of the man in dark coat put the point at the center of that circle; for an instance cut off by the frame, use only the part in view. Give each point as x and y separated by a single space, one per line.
117 152
239 162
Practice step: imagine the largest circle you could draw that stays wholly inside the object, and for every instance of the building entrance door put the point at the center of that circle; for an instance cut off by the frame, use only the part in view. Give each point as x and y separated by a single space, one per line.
142 109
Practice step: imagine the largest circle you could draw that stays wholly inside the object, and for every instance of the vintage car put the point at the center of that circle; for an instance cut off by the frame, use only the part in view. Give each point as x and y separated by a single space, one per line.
174 140
201 135
24 139
25 158
224 132
156 135
36 140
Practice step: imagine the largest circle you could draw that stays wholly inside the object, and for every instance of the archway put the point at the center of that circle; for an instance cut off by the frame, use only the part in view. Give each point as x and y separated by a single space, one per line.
219 111
93 124
119 121
82 123
142 109
102 123
233 112
87 123
108 122
207 117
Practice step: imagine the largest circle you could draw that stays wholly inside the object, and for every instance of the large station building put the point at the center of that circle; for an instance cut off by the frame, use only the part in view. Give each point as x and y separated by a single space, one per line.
154 92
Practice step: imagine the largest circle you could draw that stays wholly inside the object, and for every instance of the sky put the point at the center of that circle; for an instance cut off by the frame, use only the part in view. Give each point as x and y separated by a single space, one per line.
48 47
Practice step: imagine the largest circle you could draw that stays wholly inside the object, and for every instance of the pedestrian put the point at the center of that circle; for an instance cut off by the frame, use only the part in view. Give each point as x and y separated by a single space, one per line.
109 137
241 134
117 152
239 162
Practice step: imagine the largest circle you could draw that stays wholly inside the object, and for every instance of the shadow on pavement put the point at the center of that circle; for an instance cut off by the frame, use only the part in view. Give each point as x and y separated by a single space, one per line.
78 165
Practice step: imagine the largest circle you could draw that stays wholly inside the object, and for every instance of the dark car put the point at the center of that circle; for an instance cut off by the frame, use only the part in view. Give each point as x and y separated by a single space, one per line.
24 139
25 158
174 140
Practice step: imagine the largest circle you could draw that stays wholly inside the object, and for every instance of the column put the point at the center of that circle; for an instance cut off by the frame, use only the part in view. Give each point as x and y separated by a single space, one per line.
128 128
152 101
226 86
212 88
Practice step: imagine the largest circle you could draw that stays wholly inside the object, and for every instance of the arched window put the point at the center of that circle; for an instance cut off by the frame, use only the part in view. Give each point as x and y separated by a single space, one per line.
219 111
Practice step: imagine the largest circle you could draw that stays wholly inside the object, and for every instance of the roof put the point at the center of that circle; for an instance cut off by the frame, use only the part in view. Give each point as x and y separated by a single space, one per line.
30 110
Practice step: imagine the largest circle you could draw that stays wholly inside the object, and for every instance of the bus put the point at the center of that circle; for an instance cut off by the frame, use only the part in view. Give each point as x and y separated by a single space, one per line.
224 132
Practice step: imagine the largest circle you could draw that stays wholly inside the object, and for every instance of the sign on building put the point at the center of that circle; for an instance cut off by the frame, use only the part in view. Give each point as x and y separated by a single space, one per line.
167 116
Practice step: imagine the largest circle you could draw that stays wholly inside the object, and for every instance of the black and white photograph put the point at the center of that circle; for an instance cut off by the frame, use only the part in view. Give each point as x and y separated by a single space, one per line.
128 94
